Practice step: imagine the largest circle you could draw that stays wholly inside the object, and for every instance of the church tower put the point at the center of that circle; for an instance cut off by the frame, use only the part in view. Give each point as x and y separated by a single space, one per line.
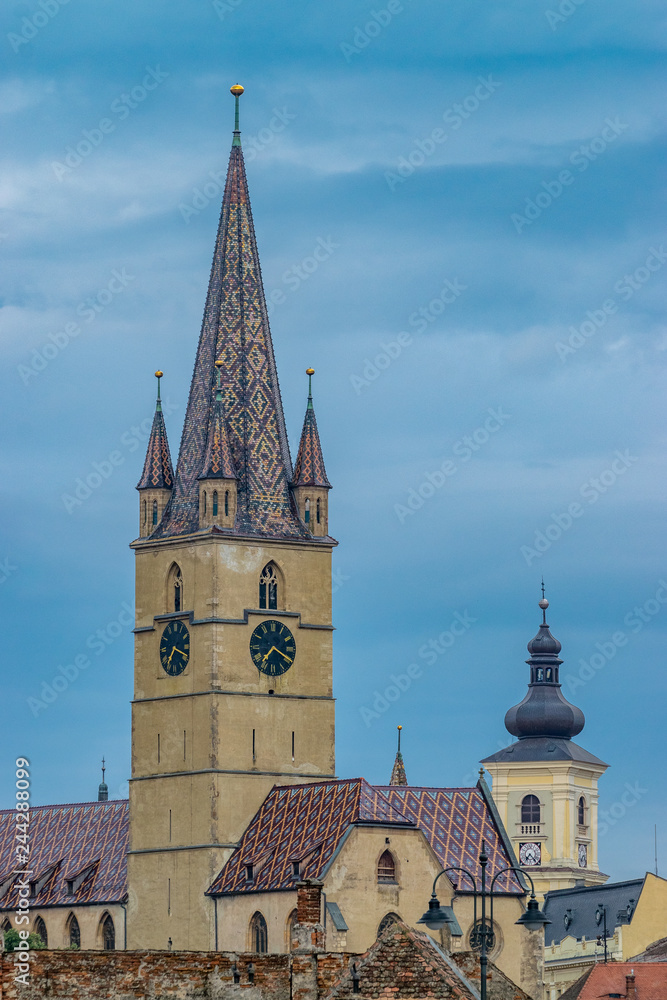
544 785
233 637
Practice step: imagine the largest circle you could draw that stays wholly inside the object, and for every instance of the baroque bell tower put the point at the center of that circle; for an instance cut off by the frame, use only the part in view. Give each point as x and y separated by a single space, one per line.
546 786
233 637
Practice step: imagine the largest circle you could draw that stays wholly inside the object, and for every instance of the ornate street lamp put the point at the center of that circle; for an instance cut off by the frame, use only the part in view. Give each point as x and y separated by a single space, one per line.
437 916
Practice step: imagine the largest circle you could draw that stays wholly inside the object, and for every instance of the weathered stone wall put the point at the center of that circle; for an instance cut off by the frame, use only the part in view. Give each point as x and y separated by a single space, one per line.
89 975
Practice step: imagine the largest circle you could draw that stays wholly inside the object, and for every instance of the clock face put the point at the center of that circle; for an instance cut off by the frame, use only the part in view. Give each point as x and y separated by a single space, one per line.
583 856
530 854
272 648
175 648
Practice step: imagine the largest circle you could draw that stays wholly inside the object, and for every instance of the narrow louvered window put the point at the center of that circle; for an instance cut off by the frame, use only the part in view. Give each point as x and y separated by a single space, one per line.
318 511
154 512
215 503
226 503
387 868
307 514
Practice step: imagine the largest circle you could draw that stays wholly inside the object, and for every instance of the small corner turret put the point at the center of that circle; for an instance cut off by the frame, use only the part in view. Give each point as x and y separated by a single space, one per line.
309 483
218 480
157 479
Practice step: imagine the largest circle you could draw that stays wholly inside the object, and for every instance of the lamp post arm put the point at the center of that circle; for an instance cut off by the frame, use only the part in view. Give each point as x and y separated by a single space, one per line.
510 868
464 871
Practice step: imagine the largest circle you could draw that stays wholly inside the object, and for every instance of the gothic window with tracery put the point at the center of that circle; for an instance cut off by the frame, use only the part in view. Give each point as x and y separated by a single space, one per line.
74 932
108 933
258 934
40 931
268 588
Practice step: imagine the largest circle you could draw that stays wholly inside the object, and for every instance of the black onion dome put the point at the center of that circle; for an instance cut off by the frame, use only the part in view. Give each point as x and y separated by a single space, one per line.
544 711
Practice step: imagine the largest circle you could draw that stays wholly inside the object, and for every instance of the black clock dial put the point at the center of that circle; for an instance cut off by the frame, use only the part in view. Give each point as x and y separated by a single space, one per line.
175 648
272 648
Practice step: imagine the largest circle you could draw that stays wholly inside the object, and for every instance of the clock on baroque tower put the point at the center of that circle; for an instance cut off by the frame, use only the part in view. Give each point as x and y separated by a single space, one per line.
546 786
233 637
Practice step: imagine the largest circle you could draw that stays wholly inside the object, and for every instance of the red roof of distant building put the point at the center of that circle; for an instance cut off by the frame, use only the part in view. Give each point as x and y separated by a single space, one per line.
88 839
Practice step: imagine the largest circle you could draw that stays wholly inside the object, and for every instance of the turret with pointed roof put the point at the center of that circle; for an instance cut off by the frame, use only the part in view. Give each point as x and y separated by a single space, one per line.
310 483
157 479
235 331
218 481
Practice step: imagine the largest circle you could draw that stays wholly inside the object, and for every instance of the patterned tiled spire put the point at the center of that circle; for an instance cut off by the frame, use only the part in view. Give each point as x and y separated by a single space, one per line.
218 461
398 776
309 466
158 473
235 330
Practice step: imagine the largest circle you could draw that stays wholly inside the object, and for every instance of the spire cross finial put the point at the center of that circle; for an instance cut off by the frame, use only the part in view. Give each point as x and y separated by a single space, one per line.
103 769
544 604
236 90
158 376
399 738
542 588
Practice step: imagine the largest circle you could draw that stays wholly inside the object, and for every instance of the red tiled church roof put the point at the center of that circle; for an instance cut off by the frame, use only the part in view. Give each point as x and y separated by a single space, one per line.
64 842
306 823
455 821
303 823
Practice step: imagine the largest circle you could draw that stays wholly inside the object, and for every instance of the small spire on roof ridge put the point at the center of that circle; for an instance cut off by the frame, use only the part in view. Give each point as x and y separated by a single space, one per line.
103 788
236 91
398 776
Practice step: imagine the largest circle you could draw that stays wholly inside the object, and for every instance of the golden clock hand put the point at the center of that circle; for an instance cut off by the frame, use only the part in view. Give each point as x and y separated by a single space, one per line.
283 655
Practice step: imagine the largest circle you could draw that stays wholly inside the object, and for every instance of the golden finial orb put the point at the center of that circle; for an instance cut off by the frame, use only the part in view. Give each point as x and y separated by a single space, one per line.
159 374
399 727
236 90
219 364
310 371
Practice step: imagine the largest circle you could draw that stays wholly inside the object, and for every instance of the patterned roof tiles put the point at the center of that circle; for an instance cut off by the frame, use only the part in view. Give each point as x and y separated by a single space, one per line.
309 466
158 473
235 330
87 839
455 820
303 823
398 775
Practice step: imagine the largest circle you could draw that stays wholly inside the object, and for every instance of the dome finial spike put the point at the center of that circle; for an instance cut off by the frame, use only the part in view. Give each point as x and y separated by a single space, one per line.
399 738
236 91
310 372
544 604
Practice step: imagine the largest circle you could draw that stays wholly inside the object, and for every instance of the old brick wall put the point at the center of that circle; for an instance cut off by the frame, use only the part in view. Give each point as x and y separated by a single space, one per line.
499 987
88 975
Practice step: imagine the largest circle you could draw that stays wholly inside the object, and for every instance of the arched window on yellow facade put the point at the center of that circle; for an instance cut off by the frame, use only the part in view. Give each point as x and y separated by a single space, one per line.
268 588
108 933
581 811
259 934
530 809
386 867
73 932
40 931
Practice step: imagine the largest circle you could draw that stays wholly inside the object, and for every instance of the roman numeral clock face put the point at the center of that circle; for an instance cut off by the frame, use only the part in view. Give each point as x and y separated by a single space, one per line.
272 648
175 648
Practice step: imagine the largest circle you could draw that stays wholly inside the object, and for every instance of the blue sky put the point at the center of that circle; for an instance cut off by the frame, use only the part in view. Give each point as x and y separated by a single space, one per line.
487 329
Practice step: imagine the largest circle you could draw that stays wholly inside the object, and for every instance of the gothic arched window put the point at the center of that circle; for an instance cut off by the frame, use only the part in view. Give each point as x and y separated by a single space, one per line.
581 811
145 512
268 588
317 512
215 503
74 932
108 933
258 934
307 511
387 868
175 589
530 809
40 931
226 503
387 921
154 512
291 924
204 501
